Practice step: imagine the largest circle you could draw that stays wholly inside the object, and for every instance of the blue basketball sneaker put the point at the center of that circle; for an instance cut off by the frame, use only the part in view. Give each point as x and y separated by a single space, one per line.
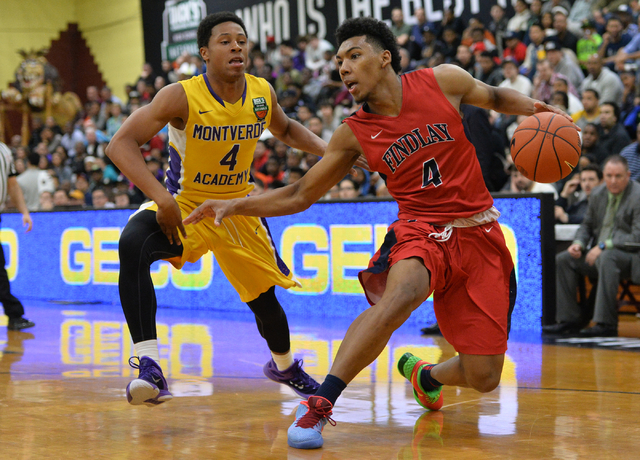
294 377
150 388
311 417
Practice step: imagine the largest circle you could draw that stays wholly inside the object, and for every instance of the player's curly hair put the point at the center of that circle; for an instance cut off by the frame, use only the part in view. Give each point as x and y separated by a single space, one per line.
212 20
377 33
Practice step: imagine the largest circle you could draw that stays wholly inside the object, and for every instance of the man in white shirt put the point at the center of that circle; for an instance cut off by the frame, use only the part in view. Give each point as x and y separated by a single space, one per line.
513 79
605 81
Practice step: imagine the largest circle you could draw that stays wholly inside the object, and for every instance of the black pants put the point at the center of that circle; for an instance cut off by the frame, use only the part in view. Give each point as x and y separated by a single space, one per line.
142 243
12 306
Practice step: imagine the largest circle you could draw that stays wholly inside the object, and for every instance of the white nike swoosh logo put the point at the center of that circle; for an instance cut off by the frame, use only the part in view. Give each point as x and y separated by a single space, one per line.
373 137
488 230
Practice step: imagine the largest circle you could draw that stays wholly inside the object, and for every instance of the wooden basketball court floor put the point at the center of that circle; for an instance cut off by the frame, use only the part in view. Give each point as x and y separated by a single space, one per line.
62 394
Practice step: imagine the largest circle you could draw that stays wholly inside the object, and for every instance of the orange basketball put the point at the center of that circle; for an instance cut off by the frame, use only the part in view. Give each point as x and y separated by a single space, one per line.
545 147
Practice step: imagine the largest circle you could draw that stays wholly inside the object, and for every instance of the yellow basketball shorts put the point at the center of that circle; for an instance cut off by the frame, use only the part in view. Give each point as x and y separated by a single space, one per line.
243 247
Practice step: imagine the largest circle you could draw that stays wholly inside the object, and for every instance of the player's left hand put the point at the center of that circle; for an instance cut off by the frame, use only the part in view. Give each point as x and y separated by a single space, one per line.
218 209
539 107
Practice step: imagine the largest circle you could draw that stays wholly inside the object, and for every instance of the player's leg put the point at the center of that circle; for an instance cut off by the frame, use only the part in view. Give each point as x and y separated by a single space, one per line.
274 328
244 249
142 243
408 285
12 306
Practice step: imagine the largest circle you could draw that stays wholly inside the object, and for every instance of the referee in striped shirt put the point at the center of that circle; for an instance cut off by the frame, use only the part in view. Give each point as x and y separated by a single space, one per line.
9 185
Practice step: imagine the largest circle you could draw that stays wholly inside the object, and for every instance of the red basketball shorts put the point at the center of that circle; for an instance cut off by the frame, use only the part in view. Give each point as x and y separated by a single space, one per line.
472 280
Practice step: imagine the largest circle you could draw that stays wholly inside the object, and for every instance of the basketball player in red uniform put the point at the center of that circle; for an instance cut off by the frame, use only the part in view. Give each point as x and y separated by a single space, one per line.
446 240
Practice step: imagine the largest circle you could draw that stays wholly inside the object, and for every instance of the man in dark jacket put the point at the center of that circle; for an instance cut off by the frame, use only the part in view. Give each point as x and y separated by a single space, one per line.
603 248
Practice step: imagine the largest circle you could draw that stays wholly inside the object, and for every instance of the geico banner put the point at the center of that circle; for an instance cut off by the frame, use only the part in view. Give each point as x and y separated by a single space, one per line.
73 257
288 19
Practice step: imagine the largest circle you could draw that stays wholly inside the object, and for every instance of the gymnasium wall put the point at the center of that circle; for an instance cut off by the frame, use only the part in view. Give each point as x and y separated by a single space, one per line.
72 257
112 29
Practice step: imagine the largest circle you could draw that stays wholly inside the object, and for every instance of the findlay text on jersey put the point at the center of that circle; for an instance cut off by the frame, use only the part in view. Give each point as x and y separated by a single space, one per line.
411 142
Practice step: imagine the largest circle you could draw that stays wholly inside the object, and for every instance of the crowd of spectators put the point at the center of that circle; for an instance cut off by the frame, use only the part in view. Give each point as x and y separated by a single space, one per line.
581 56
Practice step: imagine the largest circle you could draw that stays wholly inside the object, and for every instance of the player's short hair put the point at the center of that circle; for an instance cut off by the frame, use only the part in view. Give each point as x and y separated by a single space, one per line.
212 20
377 34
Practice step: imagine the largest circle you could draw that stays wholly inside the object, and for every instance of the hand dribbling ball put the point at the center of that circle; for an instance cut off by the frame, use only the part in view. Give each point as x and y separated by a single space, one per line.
545 147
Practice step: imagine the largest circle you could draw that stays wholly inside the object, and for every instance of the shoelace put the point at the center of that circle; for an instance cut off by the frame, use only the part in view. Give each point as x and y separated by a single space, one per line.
133 364
313 416
145 371
300 377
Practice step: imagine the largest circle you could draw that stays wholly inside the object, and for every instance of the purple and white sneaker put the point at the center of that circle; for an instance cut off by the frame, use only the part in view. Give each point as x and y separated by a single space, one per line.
150 388
294 377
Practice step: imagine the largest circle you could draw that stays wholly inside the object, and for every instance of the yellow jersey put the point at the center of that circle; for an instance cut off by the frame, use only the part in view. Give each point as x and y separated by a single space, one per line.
211 157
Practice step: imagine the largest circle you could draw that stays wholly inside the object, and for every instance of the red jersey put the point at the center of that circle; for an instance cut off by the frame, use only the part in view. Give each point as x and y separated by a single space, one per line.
431 167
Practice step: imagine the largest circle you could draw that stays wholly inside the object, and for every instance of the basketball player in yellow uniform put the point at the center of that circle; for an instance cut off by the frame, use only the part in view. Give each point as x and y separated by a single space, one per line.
215 120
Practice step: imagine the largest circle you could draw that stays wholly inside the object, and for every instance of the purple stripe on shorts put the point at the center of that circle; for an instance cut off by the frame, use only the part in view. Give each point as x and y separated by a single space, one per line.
281 265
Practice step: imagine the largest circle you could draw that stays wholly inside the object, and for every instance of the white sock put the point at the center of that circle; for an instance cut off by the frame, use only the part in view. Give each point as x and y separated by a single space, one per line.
283 362
148 348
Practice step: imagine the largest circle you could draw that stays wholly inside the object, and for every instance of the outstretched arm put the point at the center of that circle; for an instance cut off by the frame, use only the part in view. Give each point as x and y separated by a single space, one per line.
169 105
461 88
341 154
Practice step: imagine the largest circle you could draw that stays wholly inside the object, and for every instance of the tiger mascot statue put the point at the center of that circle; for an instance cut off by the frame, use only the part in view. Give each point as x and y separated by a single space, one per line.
35 92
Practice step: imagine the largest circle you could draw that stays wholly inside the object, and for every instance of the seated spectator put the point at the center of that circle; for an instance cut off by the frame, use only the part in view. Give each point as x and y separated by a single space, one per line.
560 100
613 136
514 48
613 40
450 41
100 199
561 64
590 112
115 119
632 154
599 251
316 126
518 183
544 79
574 103
46 201
260 155
348 189
519 22
465 59
405 60
566 38
122 200
33 181
400 29
489 73
430 43
535 50
513 79
60 200
293 175
589 43
603 80
571 205
591 147
629 110
270 172
77 198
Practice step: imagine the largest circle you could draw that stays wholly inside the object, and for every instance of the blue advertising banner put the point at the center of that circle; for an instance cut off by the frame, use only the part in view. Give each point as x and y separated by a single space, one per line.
73 257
